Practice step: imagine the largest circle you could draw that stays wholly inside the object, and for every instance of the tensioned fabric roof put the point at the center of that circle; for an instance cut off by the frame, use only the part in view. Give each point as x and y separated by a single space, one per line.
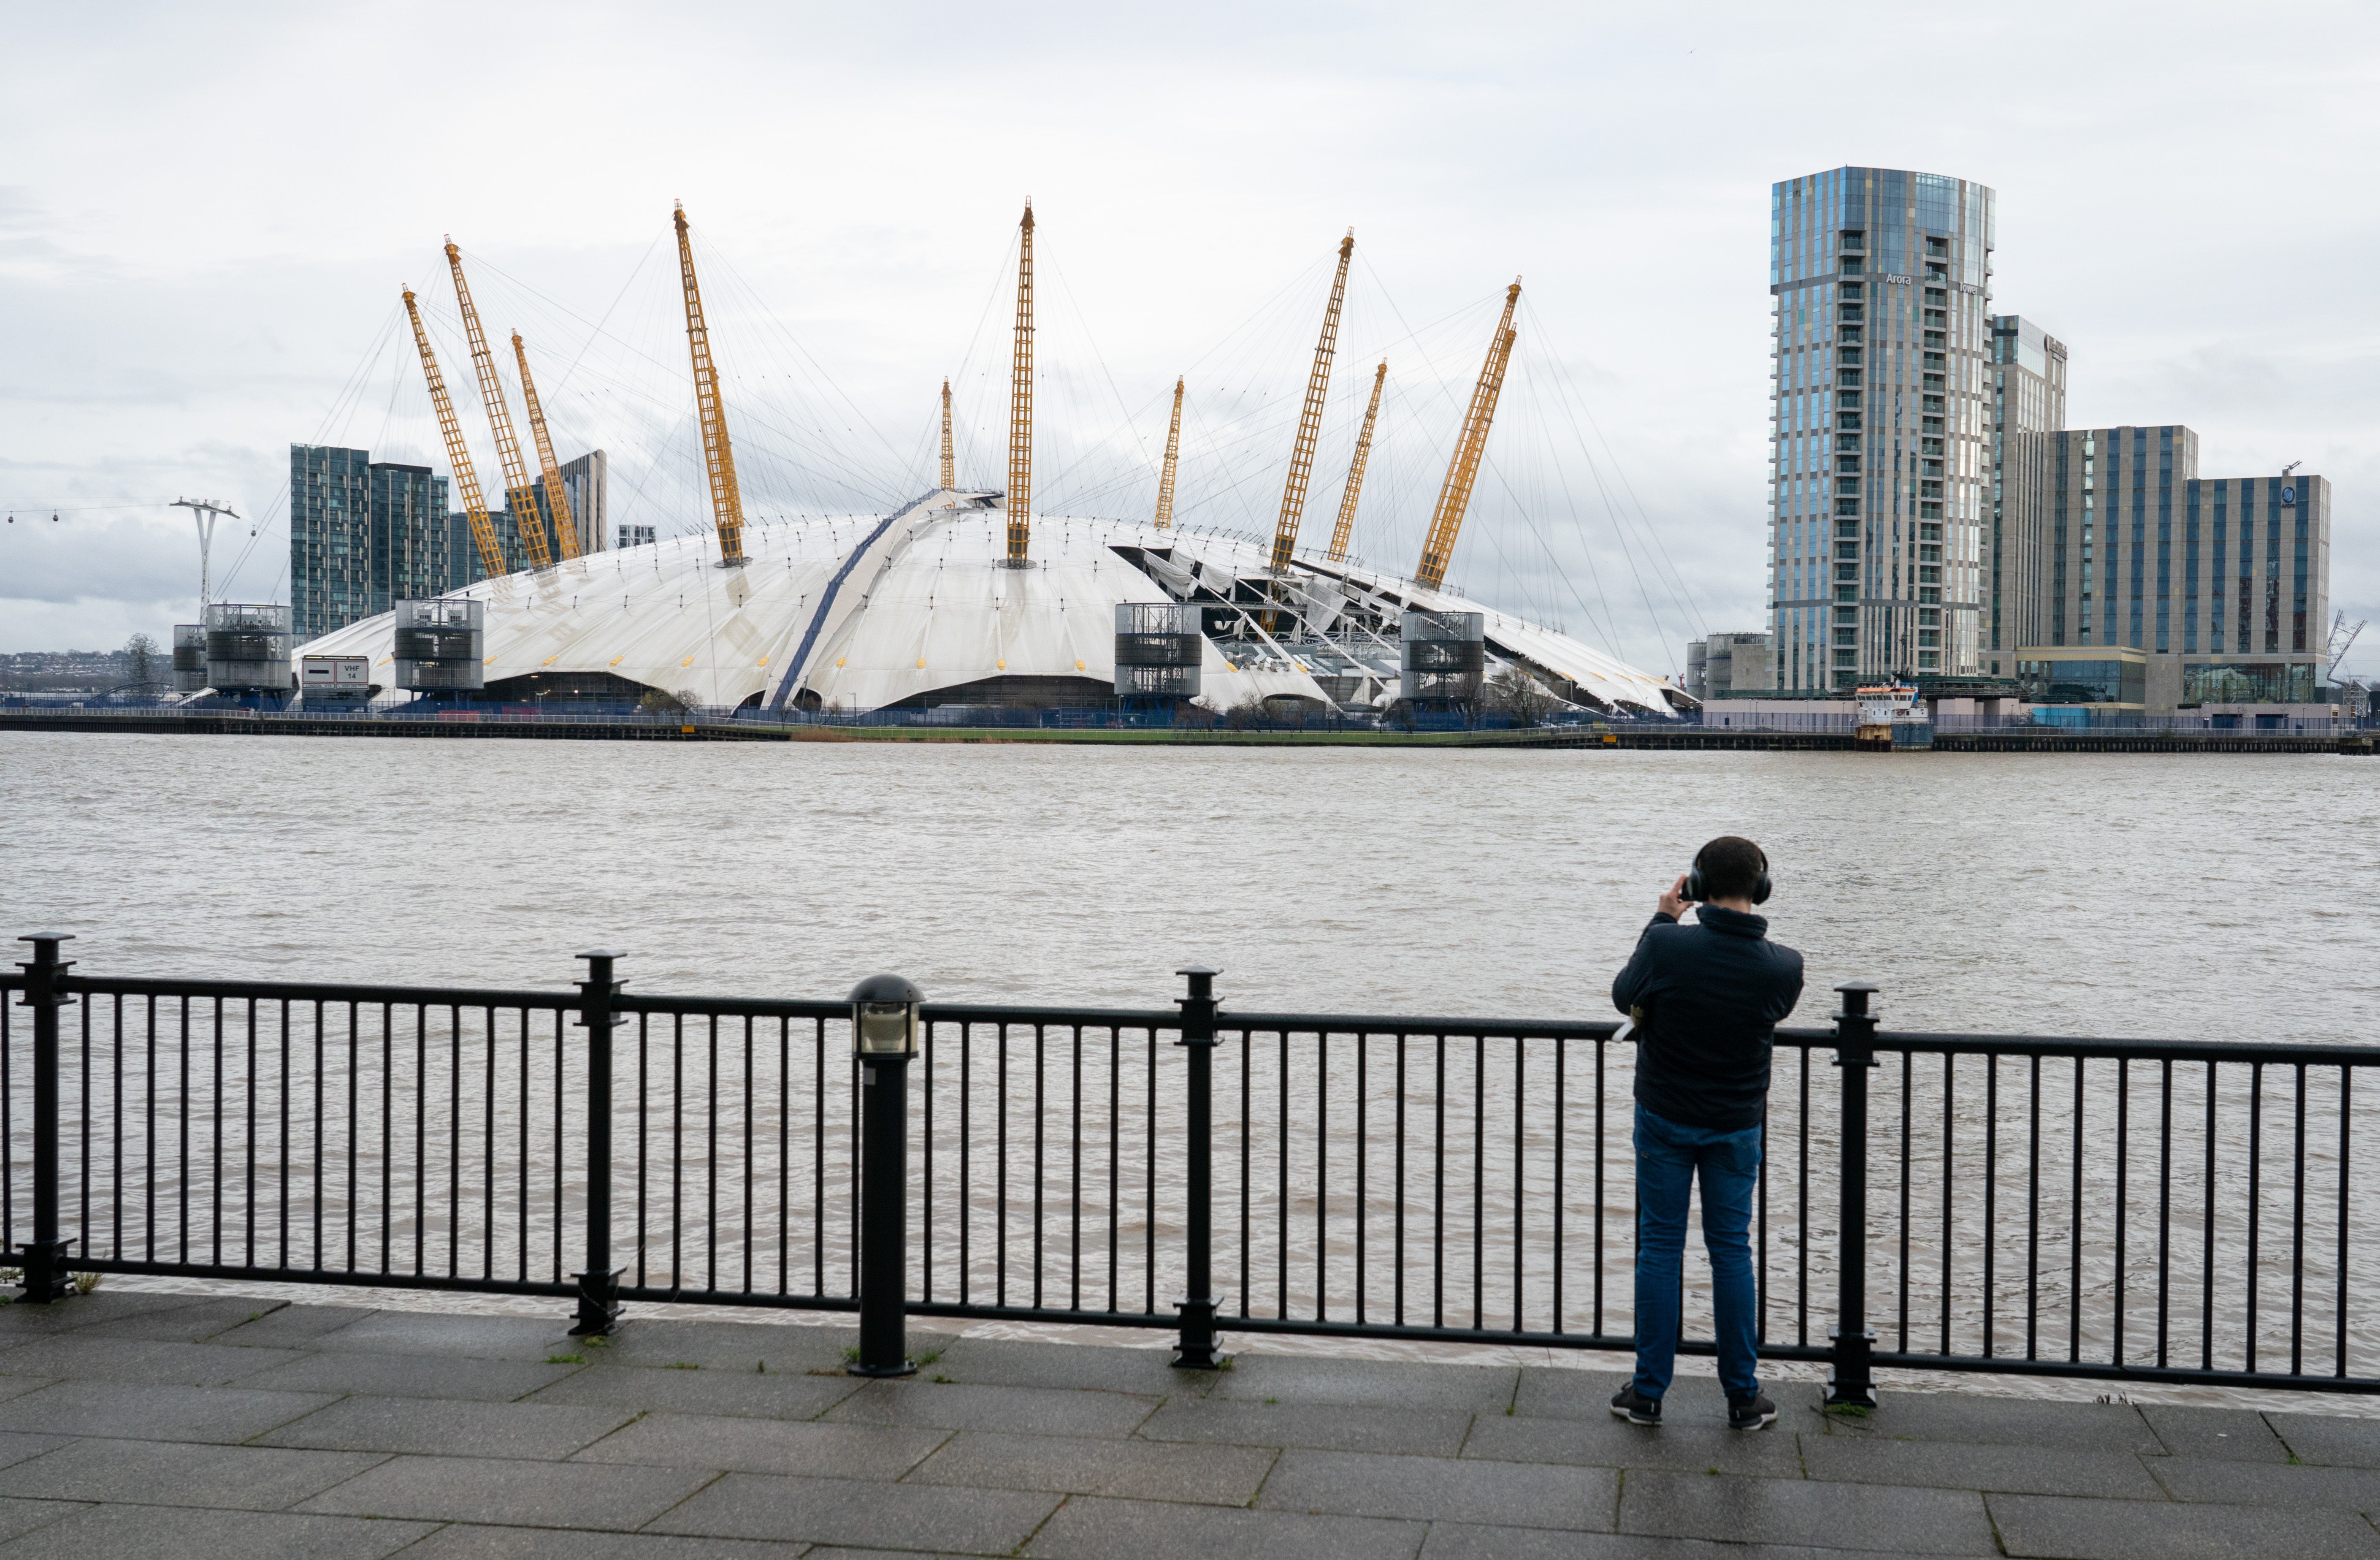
866 611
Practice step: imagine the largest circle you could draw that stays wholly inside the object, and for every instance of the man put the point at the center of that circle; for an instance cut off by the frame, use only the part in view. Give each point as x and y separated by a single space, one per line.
1706 999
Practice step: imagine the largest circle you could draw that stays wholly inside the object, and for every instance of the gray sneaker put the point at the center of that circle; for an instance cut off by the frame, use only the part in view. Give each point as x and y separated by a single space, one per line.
1634 1406
1754 1412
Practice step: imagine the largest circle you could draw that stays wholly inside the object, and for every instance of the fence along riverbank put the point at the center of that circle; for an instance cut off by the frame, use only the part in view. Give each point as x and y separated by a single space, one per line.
2175 1211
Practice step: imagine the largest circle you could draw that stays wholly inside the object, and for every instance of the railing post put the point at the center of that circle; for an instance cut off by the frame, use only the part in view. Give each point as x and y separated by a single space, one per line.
599 1282
44 1258
1851 1381
1196 1349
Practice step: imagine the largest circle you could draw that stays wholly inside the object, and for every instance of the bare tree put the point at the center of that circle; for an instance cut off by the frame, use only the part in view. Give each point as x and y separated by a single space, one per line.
1517 694
141 661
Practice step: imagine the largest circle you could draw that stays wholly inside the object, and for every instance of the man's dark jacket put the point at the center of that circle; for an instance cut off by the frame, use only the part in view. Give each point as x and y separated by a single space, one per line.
1711 996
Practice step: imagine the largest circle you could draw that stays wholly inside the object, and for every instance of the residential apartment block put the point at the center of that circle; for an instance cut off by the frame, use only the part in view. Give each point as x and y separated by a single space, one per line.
362 534
1882 281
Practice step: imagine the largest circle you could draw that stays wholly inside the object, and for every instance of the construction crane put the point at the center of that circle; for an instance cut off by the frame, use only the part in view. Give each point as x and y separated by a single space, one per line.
1020 403
1173 459
2342 640
458 454
950 467
1341 532
520 498
1454 495
557 502
1309 420
718 454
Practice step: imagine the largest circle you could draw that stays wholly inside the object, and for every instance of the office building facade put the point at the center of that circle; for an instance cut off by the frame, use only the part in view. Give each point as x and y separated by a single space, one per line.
1882 285
362 534
2167 590
1725 663
585 484
2026 395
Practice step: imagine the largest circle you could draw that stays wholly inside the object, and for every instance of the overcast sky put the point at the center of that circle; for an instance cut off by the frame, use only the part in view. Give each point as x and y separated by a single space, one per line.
205 213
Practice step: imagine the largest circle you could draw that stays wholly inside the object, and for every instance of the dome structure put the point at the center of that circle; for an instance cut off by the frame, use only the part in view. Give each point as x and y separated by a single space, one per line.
922 608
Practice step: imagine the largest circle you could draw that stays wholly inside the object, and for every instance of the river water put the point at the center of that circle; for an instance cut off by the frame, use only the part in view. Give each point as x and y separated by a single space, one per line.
2199 897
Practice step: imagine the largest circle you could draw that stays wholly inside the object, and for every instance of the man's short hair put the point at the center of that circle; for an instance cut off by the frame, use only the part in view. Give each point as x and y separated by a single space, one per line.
1731 866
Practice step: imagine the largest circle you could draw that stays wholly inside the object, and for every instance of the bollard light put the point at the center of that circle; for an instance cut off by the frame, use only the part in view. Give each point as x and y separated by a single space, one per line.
883 1041
884 1017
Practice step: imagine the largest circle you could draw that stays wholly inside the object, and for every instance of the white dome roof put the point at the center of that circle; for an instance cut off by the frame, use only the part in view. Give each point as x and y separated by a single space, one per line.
867 611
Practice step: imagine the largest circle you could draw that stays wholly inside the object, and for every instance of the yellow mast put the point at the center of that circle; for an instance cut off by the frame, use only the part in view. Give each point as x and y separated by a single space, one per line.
718 454
519 498
1020 403
1173 456
1341 532
557 502
458 454
950 467
1309 421
1454 496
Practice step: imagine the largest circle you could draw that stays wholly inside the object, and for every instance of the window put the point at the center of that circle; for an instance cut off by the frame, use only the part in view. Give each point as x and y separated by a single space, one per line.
2085 682
1937 246
1851 266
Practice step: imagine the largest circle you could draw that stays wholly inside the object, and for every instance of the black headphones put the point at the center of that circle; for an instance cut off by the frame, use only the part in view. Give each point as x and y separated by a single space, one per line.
1760 890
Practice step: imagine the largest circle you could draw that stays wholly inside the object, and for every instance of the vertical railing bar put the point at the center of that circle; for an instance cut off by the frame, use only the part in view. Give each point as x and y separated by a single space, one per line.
711 1156
2165 1209
1398 1229
746 1235
966 1161
520 1213
1363 1190
1074 1184
926 1203
999 1202
1148 1182
2255 1197
1950 1174
1280 1179
487 1221
215 1146
1802 1224
1596 1245
2339 1327
818 1156
1116 1165
644 1124
453 1146
1561 1171
2296 1228
2206 1206
1991 1200
355 1123
1321 1172
1247 1136
2123 1204
785 1144
387 1132
1519 1204
1438 1195
677 1151
2032 1216
82 1114
148 1136
1040 1164
115 1138
1478 1178
1908 1158
2074 1233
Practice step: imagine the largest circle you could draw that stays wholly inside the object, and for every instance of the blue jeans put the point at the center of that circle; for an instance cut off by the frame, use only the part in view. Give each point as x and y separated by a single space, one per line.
1667 1155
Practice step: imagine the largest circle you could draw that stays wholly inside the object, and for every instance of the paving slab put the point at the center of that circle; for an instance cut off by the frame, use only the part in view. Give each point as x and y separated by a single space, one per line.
1097 1528
79 1312
201 1317
292 1326
1788 1511
2001 1422
188 1534
182 1473
23 1516
1610 1443
81 1355
745 1445
1946 1465
470 1542
1418 1433
1549 1392
729 1346
2057 1527
1071 1465
2315 1438
451 1429
15 1448
2235 1434
155 1413
1370 1384
1027 1409
1004 1363
1444 1488
772 1396
2225 1482
456 1336
407 1375
1465 1541
17 1386
498 1490
849 1511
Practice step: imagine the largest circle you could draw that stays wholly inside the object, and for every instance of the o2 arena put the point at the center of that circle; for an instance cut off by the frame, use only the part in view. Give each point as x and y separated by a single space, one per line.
964 597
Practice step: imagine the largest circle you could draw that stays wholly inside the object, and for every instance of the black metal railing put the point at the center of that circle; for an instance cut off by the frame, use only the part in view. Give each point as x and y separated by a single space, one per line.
2165 1211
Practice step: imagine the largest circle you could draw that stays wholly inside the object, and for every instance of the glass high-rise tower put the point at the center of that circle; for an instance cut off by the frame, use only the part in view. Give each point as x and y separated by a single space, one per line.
1882 279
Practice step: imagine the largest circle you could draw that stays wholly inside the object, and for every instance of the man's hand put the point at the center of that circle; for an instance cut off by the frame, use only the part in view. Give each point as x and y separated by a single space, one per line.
1673 899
